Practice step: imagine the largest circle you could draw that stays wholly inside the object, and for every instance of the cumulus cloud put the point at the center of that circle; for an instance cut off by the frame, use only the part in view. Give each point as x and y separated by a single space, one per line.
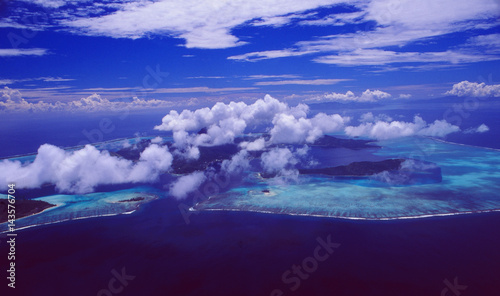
369 117
156 140
289 129
187 184
382 130
474 89
238 163
224 122
82 170
277 159
480 129
256 145
280 164
367 96
11 100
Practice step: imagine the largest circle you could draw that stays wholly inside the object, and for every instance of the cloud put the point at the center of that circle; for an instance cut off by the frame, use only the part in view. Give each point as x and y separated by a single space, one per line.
224 122
15 52
280 164
11 100
339 19
82 170
157 140
268 54
291 130
368 117
397 23
237 164
256 145
404 96
473 89
48 3
382 130
187 184
480 129
55 79
277 160
303 82
203 24
279 21
375 57
286 76
366 96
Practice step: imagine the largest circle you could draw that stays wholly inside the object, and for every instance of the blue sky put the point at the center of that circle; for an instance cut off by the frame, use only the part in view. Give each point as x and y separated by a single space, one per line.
318 50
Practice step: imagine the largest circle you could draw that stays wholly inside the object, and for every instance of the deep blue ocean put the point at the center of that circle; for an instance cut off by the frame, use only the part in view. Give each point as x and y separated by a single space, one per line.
240 253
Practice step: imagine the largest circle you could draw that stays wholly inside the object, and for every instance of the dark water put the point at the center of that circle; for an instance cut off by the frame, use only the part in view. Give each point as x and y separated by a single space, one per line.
236 253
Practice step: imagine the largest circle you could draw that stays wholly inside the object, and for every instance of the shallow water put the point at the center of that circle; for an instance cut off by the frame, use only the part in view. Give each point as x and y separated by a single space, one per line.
471 183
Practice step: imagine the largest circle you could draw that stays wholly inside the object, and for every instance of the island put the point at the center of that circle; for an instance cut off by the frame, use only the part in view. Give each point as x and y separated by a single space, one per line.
23 207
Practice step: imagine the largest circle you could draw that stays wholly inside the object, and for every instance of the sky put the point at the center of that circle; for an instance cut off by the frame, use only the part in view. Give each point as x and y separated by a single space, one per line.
58 54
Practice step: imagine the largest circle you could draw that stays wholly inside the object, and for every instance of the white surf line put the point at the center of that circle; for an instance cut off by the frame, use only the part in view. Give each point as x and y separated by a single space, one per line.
466 145
73 219
192 209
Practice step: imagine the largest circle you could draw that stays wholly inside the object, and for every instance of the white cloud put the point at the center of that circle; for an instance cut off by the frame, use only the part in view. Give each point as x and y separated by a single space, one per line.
399 23
156 140
338 19
404 96
256 145
224 121
480 129
187 184
382 130
14 52
11 100
269 54
237 164
490 42
371 57
277 160
278 21
289 129
286 76
55 79
203 24
473 89
303 82
375 95
48 3
82 170
367 96
369 117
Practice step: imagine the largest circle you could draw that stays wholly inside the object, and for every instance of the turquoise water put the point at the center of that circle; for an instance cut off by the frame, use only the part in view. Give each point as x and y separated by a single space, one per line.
471 183
73 207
